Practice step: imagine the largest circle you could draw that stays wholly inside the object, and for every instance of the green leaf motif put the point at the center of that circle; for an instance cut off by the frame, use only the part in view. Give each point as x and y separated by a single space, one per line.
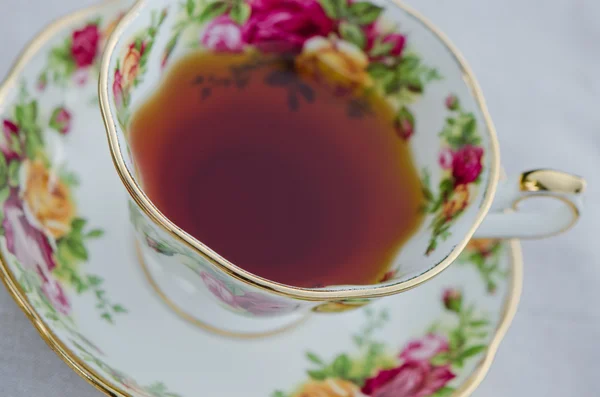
190 5
240 12
3 173
440 359
381 49
107 317
95 233
77 224
211 11
314 358
317 374
77 248
94 281
119 309
353 34
364 13
330 8
445 391
341 366
379 71
13 173
472 351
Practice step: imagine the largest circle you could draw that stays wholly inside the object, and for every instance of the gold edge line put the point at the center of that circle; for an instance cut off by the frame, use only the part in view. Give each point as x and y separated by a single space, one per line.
244 276
201 324
65 353
508 313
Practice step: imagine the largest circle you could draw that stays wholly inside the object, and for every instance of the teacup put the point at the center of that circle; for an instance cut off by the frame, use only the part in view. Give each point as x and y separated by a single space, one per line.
441 112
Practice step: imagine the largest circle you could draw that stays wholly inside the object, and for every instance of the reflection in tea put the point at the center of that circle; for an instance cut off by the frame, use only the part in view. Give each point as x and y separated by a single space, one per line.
282 174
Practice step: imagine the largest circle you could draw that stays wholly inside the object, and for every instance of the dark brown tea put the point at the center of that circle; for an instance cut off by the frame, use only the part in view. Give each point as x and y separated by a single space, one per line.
279 174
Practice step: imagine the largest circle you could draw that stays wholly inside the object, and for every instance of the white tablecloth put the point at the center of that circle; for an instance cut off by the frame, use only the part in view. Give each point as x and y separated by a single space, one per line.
539 65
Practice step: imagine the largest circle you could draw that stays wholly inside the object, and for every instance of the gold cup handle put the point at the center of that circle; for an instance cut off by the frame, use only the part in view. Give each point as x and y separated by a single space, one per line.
507 220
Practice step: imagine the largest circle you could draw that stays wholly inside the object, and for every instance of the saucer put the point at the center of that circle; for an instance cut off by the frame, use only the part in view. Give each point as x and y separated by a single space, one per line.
68 259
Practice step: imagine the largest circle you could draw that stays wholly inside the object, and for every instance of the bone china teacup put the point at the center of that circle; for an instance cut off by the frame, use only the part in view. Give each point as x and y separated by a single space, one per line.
440 112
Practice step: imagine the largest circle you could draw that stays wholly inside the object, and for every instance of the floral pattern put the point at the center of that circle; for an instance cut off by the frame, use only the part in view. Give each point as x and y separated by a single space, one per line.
132 67
425 366
39 216
460 160
347 45
75 58
485 255
39 219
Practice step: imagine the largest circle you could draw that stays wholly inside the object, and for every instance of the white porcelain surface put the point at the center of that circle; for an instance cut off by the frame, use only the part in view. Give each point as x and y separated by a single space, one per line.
552 350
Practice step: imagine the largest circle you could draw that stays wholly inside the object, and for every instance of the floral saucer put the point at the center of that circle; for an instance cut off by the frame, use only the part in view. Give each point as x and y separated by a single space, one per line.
68 259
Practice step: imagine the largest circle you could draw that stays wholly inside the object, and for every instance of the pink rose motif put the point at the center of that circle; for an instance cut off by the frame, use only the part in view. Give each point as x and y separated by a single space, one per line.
54 292
26 242
61 120
219 290
13 145
411 379
85 45
284 25
118 88
424 349
445 158
260 305
223 35
466 164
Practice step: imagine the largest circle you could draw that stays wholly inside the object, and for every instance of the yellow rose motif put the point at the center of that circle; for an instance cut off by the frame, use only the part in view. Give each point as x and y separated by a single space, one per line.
131 67
339 63
457 202
48 199
329 388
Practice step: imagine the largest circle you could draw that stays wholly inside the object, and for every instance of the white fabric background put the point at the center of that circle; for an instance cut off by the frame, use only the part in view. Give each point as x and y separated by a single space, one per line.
539 65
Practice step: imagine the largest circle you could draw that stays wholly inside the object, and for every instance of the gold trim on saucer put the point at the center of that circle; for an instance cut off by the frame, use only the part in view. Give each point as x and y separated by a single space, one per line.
201 324
82 369
308 294
99 381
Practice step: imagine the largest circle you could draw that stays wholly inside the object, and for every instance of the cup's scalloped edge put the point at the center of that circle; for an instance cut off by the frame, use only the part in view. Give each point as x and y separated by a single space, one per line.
308 294
102 384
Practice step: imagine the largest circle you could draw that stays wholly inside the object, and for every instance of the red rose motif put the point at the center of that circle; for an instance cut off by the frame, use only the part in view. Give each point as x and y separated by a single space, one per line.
61 120
374 32
411 379
284 25
424 349
223 35
466 164
85 45
13 145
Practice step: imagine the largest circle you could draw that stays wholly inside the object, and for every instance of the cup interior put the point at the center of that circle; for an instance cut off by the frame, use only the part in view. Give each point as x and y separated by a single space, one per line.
440 111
